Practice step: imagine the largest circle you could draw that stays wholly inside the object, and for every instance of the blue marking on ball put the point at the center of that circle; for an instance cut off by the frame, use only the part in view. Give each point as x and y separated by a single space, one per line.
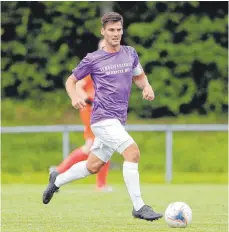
180 216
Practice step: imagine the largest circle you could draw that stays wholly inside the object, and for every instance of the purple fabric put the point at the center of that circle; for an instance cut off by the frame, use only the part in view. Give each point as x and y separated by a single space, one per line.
112 77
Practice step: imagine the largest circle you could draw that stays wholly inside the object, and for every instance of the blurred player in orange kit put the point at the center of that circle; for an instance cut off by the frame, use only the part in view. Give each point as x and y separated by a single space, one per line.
86 88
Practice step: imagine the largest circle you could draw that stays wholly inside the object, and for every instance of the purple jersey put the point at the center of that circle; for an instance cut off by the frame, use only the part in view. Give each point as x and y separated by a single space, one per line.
112 75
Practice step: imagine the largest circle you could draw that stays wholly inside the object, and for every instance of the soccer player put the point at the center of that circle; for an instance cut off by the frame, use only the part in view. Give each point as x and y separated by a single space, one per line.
86 88
112 69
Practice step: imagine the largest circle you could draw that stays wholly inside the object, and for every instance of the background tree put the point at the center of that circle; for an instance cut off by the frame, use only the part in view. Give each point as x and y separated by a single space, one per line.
182 47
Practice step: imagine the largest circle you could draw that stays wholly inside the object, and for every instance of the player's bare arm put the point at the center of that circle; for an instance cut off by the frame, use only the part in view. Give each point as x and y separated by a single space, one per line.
141 81
70 85
80 89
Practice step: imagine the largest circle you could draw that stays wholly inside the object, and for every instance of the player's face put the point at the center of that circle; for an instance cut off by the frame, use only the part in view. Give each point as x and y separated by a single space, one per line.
112 33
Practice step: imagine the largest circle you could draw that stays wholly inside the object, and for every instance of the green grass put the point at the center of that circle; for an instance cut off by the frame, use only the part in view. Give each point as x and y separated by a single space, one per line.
78 208
115 177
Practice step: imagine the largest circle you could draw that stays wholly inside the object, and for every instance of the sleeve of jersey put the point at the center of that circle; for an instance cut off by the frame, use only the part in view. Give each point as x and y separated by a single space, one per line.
83 69
137 68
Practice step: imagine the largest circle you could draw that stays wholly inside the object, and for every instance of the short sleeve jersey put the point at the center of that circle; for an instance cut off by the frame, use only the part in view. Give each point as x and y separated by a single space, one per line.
112 75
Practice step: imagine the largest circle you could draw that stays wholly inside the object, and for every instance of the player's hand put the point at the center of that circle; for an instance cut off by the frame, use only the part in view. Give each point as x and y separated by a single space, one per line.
78 103
148 93
89 101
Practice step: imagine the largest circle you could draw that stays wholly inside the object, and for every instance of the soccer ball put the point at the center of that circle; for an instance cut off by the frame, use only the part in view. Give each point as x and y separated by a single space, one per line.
178 215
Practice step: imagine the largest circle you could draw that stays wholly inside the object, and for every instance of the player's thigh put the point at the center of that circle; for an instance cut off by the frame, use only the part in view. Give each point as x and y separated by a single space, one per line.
101 150
112 133
131 153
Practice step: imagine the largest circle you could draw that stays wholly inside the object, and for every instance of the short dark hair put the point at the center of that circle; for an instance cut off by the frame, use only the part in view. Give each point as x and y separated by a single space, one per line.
111 17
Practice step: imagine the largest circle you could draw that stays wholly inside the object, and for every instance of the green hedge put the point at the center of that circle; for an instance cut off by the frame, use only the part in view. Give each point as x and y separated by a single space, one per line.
182 47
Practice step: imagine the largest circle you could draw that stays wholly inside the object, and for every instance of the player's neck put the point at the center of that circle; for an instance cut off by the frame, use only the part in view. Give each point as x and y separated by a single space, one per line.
111 49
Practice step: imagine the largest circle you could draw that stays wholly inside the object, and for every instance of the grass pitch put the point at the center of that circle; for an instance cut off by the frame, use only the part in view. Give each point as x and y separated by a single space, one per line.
81 208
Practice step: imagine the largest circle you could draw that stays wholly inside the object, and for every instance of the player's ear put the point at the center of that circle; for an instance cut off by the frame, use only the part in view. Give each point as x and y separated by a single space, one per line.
102 31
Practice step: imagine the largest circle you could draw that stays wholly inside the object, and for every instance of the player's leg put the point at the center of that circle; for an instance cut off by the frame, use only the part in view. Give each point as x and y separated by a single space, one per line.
77 155
81 154
78 171
131 156
118 138
101 178
99 155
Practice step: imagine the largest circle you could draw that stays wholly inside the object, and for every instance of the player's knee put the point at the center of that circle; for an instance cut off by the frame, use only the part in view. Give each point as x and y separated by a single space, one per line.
93 168
132 153
135 156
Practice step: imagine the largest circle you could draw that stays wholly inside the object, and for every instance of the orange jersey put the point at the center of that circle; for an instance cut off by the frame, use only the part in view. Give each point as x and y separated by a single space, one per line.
85 113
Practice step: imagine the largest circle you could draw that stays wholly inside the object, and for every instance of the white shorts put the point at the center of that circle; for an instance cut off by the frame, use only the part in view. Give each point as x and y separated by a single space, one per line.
110 136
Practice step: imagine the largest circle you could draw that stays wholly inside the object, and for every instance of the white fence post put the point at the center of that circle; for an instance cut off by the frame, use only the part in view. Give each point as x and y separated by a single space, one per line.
169 156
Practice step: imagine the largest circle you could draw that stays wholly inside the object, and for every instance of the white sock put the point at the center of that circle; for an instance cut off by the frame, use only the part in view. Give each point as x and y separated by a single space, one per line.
77 171
131 177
